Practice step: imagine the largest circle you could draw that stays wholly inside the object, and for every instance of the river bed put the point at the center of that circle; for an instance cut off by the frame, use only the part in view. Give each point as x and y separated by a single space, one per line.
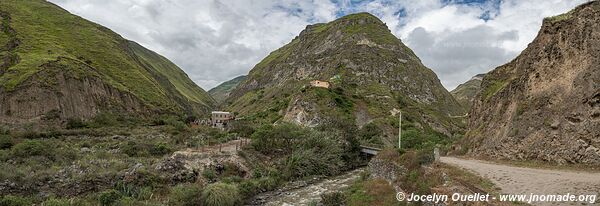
305 194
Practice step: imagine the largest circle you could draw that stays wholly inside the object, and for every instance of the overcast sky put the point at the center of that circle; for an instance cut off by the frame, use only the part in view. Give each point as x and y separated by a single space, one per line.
217 40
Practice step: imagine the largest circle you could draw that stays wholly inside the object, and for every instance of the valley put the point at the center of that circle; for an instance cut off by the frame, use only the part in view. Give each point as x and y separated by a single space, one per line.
88 117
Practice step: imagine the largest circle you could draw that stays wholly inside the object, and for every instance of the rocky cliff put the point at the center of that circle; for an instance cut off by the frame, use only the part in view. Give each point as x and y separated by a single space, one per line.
545 104
372 76
465 93
57 65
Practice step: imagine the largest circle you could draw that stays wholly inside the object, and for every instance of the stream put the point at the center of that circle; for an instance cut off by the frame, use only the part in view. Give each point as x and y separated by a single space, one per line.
302 193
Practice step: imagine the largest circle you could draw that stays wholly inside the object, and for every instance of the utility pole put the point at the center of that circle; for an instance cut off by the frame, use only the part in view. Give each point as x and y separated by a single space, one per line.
400 130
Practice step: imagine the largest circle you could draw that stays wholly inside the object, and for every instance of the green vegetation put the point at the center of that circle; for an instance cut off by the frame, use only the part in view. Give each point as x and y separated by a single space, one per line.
278 55
6 142
221 92
373 31
561 17
10 200
138 149
466 92
333 199
30 148
221 194
371 192
186 195
109 197
494 87
304 152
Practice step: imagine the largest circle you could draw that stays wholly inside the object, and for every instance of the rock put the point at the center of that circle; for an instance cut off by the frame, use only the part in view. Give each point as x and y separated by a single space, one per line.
592 149
555 124
85 150
174 170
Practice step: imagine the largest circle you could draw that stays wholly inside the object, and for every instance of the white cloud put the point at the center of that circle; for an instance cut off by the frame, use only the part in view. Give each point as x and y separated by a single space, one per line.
457 43
216 40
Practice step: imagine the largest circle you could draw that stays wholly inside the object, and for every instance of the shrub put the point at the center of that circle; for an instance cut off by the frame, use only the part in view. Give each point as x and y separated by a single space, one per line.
210 174
221 194
135 188
175 125
248 188
30 148
6 142
10 200
185 195
56 202
370 131
267 183
105 119
109 197
280 138
317 154
333 199
132 149
75 124
160 149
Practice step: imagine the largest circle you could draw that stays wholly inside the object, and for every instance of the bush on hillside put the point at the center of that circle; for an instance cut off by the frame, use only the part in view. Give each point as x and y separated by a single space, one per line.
6 142
10 200
109 197
29 148
333 199
221 194
185 195
281 138
75 124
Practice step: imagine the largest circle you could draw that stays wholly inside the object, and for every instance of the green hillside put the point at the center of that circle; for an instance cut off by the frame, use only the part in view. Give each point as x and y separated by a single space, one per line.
373 75
466 92
36 33
222 91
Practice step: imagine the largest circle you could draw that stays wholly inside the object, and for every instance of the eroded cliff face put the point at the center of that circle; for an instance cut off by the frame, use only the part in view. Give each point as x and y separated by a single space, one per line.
54 94
545 104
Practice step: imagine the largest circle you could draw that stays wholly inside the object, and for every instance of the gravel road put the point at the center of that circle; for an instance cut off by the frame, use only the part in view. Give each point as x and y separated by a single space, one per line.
519 180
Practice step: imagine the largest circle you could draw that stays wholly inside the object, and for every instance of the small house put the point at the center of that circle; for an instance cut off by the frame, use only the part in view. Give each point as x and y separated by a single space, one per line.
221 119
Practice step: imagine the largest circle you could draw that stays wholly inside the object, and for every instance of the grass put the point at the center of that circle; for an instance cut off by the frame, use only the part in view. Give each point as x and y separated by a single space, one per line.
494 87
561 17
371 192
464 176
278 55
373 32
221 92
318 28
48 33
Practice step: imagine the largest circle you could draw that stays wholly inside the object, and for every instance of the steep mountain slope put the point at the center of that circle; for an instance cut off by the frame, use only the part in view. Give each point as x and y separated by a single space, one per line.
222 91
371 72
466 92
54 64
545 104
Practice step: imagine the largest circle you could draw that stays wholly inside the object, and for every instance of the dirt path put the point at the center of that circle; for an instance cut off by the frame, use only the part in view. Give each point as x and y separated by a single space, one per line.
519 180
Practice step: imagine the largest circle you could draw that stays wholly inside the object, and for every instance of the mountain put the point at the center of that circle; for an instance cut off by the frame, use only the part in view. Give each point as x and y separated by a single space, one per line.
466 92
222 91
57 65
545 104
372 75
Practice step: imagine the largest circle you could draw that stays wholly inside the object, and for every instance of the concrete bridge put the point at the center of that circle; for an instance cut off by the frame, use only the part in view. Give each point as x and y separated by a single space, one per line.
370 149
